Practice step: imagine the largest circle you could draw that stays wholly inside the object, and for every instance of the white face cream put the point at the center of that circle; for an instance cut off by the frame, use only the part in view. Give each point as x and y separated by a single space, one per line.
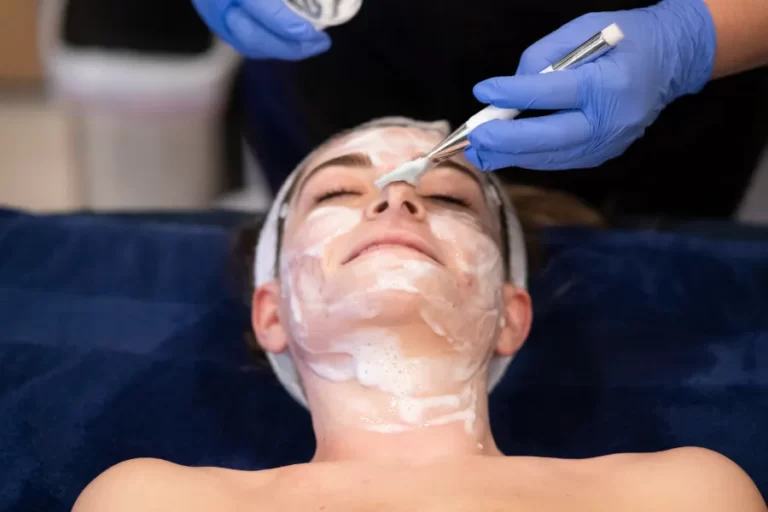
386 149
347 320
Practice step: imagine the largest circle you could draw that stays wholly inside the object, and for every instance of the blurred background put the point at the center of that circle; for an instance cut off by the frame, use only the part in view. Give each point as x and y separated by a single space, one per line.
105 108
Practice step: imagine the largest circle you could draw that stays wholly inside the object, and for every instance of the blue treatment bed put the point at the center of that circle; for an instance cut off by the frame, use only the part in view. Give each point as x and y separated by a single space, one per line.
122 337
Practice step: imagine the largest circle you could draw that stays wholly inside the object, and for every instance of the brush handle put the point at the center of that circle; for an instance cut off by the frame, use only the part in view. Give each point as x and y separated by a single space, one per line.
491 113
590 50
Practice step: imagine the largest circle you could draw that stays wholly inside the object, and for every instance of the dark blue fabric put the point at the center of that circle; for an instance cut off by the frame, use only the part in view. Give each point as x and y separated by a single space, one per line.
123 338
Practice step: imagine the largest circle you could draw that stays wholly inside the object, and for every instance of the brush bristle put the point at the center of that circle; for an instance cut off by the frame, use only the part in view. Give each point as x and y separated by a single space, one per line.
410 172
613 35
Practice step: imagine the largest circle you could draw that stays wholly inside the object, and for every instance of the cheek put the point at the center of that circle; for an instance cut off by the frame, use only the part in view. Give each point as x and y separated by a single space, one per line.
319 229
302 262
475 254
479 265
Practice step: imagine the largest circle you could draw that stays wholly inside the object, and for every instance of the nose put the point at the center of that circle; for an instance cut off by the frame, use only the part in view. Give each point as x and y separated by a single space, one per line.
397 199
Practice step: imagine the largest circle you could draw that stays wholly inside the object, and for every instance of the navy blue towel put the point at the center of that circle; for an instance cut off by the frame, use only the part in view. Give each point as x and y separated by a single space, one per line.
123 338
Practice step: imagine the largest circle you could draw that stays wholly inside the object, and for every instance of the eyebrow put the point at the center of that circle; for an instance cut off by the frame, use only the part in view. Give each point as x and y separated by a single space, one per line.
364 161
348 160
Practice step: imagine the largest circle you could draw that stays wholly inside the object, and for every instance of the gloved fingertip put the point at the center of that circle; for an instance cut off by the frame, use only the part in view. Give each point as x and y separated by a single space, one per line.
474 144
486 91
236 21
304 31
475 159
316 46
471 154
478 138
324 38
280 19
232 17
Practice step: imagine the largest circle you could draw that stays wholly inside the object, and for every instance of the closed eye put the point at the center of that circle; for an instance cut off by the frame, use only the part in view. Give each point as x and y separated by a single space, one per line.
333 194
449 199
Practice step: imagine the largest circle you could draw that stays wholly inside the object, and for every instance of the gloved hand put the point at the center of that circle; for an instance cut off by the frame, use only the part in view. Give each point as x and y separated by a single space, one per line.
668 51
263 29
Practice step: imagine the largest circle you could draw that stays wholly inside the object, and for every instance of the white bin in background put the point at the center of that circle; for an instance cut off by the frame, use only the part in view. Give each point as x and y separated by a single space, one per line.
149 125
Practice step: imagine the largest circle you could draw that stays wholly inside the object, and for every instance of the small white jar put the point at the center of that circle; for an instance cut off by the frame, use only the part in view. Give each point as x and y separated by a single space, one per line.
325 13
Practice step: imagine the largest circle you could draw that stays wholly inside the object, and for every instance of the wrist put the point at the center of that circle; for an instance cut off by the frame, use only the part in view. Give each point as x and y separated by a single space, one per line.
689 30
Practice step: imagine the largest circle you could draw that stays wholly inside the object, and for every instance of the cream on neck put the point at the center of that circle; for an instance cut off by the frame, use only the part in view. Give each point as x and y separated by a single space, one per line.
350 426
369 411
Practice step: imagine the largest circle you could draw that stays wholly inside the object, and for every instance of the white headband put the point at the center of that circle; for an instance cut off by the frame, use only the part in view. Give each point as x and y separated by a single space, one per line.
267 253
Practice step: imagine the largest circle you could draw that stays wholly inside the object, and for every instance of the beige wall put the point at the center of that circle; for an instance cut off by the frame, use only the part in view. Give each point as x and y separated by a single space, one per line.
37 150
19 61
37 157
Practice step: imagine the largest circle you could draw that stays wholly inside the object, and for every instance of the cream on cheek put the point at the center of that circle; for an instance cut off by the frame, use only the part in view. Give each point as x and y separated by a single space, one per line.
345 322
303 270
479 263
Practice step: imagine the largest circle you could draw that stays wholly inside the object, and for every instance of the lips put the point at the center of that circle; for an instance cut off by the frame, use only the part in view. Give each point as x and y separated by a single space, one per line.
391 240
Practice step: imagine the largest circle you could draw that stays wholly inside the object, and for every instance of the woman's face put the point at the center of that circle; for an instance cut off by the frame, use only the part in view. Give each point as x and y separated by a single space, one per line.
417 268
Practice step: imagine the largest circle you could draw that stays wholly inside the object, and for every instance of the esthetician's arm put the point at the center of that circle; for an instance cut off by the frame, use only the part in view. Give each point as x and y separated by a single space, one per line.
742 35
670 49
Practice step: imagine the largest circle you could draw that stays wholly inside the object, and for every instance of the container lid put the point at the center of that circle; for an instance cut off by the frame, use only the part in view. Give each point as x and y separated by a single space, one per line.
325 13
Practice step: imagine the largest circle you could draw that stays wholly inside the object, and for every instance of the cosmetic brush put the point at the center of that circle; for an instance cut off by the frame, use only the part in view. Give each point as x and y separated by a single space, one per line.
455 143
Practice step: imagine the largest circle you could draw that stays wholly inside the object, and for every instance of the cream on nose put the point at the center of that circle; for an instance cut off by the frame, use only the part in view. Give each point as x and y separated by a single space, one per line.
397 199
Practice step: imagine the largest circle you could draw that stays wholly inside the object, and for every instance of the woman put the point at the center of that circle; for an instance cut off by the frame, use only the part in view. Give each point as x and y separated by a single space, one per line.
391 314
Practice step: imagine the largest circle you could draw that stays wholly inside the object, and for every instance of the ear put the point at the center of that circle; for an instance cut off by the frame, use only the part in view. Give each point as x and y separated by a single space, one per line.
516 321
265 318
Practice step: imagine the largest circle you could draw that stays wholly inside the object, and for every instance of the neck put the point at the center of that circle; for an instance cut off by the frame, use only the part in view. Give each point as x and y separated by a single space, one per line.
418 446
354 422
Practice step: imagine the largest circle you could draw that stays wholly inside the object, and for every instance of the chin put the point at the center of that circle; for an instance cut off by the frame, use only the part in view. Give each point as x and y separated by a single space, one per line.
398 303
391 286
388 308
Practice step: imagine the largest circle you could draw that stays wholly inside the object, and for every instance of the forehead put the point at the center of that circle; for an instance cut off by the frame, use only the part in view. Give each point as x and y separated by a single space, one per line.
385 146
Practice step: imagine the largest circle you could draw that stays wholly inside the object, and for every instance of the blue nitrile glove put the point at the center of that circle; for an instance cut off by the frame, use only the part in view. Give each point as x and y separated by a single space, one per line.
263 29
668 51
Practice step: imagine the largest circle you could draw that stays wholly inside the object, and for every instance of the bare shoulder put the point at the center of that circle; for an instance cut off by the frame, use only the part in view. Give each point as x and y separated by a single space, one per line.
128 486
153 484
690 479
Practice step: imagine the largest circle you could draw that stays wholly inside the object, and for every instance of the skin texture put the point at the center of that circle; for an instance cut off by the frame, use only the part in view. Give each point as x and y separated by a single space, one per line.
742 41
445 466
687 479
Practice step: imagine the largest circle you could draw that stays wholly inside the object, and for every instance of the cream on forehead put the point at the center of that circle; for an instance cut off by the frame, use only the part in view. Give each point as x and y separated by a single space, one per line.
385 146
